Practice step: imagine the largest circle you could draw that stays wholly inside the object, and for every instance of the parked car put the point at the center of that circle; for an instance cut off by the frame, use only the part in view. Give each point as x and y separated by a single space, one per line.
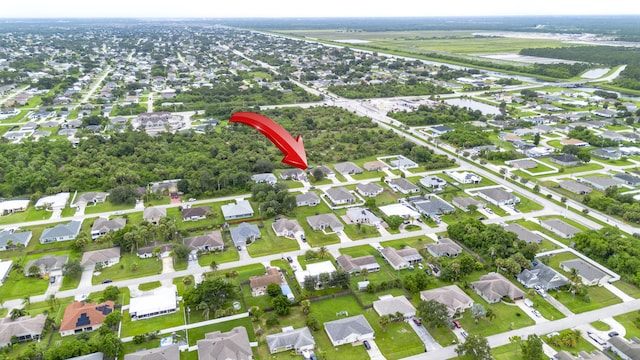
52 279
464 334
417 321
366 345
613 333
107 281
289 259
536 313
456 324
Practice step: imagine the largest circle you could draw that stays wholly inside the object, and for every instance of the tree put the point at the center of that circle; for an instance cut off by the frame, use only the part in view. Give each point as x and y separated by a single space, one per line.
532 348
309 283
181 252
490 315
476 347
574 278
536 139
110 344
281 305
317 173
478 311
313 323
72 269
384 321
17 313
306 306
394 221
274 290
213 266
110 293
433 313
256 313
34 271
123 195
112 320
515 340
216 293
323 252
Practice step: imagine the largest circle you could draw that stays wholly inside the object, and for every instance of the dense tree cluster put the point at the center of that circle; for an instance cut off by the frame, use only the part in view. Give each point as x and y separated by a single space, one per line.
387 89
466 137
494 243
443 114
606 55
611 248
584 134
214 294
214 164
273 199
338 278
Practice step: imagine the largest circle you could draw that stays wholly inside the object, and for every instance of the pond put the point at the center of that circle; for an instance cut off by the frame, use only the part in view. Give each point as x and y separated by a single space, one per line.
474 105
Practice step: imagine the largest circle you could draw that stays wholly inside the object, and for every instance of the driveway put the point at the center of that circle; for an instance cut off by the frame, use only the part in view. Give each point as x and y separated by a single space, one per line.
167 267
374 352
529 311
85 280
430 344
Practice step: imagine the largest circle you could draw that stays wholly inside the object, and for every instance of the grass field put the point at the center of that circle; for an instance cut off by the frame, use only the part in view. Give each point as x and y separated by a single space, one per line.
627 320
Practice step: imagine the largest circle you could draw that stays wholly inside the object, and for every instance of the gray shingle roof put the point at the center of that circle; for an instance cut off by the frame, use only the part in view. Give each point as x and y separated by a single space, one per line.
297 338
343 328
233 344
524 234
61 230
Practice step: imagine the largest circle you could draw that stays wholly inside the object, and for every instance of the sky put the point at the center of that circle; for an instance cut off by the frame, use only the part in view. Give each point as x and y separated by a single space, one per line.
302 8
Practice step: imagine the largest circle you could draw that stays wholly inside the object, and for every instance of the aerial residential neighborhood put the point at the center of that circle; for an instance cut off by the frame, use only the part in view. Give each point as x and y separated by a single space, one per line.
461 202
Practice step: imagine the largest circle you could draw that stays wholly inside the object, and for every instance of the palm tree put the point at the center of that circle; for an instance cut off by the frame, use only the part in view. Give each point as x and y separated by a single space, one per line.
323 252
26 300
213 266
516 340
384 320
489 314
574 278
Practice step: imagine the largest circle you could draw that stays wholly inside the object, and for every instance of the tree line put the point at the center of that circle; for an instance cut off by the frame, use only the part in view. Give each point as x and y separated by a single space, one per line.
388 89
442 114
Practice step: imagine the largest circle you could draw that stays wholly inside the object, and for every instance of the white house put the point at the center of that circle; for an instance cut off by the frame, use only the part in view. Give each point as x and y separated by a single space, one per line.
157 302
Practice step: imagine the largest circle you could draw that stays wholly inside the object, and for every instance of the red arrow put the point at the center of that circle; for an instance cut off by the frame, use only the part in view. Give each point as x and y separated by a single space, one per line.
293 150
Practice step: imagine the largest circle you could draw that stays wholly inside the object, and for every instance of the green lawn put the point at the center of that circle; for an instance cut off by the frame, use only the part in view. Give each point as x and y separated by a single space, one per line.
123 269
508 317
228 255
17 286
583 345
269 243
30 215
315 238
527 205
180 286
149 286
69 283
629 321
628 288
131 328
599 298
106 207
602 326
574 169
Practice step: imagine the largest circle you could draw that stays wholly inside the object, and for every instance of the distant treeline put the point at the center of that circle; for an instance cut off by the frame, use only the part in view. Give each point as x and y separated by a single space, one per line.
427 115
389 89
605 55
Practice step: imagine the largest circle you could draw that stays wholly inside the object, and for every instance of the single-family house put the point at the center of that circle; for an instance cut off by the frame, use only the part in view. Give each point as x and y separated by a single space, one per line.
326 171
50 265
293 174
155 249
626 350
324 221
90 198
369 189
288 228
401 162
241 209
444 247
433 183
340 196
401 259
627 179
376 165
104 258
438 130
363 216
211 241
356 265
498 196
589 274
524 234
612 135
403 185
574 142
347 168
53 202
9 239
541 275
157 302
464 202
83 317
195 213
465 177
607 153
61 232
565 160
8 207
233 344
244 234
523 164
493 287
153 214
22 329
601 182
258 284
348 330
268 178
102 226
5 268
307 199
560 228
297 340
390 305
451 296
432 205
575 187
159 353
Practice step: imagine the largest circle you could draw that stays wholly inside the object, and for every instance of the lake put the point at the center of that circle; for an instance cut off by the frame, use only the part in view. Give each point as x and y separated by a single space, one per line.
474 105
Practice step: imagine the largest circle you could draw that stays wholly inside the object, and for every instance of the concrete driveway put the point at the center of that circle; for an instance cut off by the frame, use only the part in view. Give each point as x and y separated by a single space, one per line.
85 280
374 352
430 344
